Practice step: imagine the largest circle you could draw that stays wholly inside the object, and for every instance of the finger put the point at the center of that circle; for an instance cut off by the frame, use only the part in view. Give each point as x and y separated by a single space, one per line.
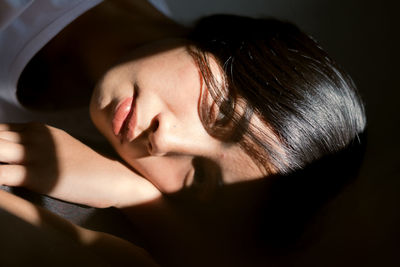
17 127
13 137
13 175
11 152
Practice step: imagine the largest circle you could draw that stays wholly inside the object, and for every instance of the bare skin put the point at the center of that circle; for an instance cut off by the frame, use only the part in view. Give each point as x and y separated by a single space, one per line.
77 173
27 148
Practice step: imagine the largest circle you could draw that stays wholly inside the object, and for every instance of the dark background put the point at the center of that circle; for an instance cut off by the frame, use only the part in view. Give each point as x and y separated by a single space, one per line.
361 226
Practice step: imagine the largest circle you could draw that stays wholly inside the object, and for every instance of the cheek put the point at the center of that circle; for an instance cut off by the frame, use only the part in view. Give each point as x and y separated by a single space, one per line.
100 120
98 110
130 152
95 114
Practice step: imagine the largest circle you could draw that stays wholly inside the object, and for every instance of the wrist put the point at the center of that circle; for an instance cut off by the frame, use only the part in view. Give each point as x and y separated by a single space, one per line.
134 190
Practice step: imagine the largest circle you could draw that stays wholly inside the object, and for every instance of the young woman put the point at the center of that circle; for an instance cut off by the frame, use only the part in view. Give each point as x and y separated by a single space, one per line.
191 114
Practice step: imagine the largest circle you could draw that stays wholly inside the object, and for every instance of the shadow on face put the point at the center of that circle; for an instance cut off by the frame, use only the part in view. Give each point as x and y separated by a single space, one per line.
267 220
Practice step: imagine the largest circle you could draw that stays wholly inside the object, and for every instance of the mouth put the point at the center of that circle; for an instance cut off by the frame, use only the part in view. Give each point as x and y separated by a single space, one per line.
124 120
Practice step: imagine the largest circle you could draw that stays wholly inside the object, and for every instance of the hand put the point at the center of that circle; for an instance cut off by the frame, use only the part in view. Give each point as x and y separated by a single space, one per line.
50 161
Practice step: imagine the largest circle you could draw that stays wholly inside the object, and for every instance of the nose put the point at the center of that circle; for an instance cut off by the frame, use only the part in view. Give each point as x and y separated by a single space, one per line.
165 136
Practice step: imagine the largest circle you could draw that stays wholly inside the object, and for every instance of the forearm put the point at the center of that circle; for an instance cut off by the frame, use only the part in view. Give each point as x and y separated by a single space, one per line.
50 161
112 250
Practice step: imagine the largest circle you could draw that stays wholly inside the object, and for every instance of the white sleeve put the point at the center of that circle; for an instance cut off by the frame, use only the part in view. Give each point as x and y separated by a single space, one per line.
162 6
10 10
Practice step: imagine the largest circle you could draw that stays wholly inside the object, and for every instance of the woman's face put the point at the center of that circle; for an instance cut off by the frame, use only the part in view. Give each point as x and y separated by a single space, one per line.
148 109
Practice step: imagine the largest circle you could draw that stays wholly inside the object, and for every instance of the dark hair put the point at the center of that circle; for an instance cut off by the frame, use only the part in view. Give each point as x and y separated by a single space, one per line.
286 80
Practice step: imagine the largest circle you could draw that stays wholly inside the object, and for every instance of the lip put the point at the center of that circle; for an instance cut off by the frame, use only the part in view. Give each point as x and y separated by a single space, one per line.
124 120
